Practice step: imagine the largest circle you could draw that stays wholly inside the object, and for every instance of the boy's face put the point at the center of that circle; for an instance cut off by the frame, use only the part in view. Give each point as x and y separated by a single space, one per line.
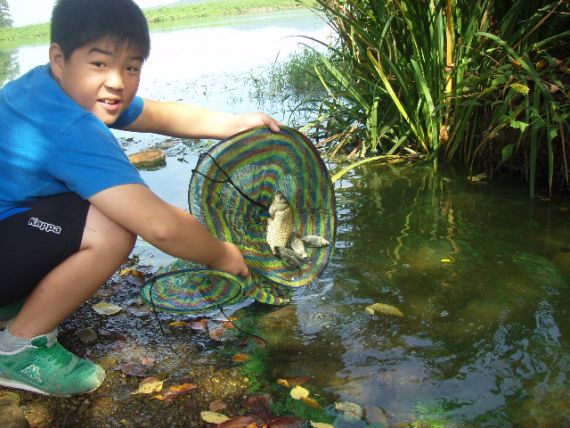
102 76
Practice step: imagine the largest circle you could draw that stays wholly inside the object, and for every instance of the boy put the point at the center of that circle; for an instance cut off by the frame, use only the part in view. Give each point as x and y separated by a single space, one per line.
71 205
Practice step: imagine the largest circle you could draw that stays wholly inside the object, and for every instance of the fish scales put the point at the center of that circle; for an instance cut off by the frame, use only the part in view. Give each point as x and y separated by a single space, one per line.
280 224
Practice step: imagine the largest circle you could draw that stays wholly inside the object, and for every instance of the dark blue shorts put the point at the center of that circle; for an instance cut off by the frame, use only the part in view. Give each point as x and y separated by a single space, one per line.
35 238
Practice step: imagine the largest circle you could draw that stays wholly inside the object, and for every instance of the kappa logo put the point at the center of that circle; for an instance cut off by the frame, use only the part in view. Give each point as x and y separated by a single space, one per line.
42 225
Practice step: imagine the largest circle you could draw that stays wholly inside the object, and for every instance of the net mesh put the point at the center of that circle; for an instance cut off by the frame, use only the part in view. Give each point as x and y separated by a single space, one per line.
231 190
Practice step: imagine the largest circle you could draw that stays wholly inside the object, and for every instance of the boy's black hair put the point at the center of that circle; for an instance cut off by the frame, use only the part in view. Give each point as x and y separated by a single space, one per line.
74 23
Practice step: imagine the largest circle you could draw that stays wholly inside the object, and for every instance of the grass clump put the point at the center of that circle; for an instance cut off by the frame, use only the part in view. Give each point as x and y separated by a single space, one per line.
481 82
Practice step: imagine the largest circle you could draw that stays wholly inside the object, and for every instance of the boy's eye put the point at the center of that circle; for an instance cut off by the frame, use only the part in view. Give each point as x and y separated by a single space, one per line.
98 64
133 69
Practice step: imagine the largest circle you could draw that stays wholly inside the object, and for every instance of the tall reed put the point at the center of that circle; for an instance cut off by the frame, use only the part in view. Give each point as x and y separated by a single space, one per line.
481 81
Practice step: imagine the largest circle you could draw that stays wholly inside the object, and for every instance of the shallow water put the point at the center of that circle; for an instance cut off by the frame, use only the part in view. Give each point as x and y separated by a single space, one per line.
480 272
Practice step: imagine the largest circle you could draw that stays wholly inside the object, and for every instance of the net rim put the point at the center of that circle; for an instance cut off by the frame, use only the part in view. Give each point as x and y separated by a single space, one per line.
238 284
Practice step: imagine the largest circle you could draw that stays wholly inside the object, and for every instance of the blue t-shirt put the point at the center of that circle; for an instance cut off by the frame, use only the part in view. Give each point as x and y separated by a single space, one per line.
49 144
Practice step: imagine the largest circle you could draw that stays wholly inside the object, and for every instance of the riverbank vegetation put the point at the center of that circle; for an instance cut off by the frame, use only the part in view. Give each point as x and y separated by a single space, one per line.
484 83
161 17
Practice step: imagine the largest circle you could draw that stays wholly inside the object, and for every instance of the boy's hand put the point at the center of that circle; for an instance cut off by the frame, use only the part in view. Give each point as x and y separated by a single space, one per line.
252 120
231 261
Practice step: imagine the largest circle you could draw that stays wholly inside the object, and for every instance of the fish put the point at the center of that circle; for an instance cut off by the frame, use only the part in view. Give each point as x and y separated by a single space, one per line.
289 256
280 223
297 245
314 241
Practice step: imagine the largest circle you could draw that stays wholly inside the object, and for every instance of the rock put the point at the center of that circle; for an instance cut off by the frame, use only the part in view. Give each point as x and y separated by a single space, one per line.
87 335
148 159
11 414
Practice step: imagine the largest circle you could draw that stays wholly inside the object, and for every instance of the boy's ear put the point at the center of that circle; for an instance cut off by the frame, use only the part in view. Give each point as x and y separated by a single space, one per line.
56 60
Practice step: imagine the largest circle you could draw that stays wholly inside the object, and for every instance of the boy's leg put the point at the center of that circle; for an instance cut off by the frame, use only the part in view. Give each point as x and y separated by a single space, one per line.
104 246
30 356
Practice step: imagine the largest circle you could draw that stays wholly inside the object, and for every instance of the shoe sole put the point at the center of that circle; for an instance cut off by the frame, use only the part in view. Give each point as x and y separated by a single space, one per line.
19 385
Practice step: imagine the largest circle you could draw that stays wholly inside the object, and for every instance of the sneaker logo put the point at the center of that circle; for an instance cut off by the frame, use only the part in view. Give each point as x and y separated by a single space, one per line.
44 226
32 372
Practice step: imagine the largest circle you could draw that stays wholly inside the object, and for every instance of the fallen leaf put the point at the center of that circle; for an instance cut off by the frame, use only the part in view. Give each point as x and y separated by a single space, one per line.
241 422
201 325
240 358
111 335
299 392
259 341
213 417
376 416
321 425
176 324
382 308
287 422
132 369
104 308
311 402
147 361
217 405
149 385
175 391
294 381
350 409
132 272
217 333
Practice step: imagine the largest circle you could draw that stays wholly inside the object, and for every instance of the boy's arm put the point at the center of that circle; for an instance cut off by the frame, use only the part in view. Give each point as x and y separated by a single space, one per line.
169 228
188 121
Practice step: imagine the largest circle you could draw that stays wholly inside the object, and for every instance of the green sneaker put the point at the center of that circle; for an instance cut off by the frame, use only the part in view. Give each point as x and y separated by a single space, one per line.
46 367
8 312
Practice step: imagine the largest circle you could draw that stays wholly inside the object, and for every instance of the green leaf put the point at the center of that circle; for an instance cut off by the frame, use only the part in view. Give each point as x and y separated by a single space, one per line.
517 124
507 152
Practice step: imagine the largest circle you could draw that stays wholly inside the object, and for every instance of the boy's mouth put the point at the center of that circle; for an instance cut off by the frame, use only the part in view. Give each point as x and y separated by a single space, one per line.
110 104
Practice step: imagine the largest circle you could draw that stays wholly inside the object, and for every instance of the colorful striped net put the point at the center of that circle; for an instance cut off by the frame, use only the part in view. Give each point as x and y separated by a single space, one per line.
230 192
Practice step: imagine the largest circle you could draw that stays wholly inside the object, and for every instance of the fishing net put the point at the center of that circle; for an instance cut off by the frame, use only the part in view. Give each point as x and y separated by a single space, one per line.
231 190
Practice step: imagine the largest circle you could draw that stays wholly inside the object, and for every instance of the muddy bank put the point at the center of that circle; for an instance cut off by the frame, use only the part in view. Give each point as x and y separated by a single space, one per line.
131 346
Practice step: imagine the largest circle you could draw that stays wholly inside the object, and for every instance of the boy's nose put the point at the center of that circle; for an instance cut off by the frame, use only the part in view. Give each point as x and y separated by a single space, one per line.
114 80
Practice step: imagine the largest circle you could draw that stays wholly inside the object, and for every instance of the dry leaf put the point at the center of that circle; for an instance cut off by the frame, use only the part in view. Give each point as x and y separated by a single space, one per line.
284 382
217 333
149 385
175 391
321 425
133 272
250 421
104 308
240 358
175 324
384 309
351 409
147 361
201 325
213 417
311 402
287 422
217 405
299 392
299 380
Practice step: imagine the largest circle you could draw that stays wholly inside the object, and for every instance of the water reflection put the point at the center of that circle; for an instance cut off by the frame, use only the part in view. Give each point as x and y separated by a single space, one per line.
9 66
485 304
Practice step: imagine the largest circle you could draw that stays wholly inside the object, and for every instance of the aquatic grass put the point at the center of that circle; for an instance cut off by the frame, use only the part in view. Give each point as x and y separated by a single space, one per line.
480 82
